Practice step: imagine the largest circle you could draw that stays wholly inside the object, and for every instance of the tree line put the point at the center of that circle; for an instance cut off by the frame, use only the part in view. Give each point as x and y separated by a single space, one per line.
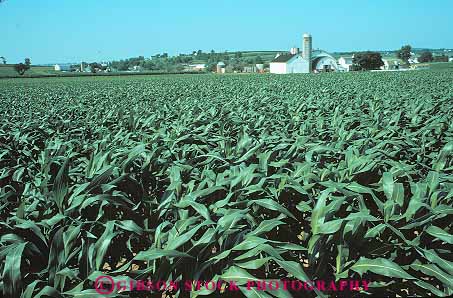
162 62
373 60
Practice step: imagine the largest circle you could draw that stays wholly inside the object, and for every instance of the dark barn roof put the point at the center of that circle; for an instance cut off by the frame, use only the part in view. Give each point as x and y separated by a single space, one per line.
283 58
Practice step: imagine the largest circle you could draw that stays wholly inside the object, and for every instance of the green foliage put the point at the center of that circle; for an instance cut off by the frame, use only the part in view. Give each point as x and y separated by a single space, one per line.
440 58
425 57
21 68
367 61
244 177
404 53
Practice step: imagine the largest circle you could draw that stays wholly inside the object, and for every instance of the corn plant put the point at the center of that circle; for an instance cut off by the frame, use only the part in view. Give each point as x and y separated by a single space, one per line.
300 177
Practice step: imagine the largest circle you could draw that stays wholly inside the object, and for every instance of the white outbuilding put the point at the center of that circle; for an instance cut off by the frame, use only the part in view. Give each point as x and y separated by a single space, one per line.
197 67
390 64
345 63
62 67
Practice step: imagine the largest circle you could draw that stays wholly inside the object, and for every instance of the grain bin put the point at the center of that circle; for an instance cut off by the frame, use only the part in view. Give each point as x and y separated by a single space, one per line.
220 67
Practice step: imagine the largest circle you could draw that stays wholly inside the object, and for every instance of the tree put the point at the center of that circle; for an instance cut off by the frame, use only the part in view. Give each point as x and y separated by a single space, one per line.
368 60
94 67
425 57
259 60
3 60
441 58
404 53
210 67
22 67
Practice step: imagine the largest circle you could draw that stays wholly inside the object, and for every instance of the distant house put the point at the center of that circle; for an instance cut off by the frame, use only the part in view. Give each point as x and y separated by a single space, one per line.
249 69
62 67
450 59
413 59
390 64
259 67
345 63
197 67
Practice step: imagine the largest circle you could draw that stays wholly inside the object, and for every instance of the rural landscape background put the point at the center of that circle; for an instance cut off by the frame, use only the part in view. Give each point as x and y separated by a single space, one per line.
201 141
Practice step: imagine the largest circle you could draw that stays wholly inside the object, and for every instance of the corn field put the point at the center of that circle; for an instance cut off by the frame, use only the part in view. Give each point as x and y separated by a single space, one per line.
243 177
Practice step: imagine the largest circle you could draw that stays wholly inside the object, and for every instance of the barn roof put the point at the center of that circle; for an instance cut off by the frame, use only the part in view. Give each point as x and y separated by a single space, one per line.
283 58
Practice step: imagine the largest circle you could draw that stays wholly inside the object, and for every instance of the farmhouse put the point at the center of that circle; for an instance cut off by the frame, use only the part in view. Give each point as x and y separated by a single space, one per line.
345 63
305 62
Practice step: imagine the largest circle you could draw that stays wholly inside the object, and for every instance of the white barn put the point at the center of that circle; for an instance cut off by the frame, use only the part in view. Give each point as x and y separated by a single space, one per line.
305 62
289 63
323 61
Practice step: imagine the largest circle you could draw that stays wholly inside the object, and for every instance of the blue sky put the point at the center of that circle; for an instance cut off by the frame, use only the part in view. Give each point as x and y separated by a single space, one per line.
55 31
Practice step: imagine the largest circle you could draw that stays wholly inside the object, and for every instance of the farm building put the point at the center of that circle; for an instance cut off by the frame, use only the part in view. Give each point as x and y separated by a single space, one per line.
260 67
254 68
305 62
413 59
345 63
197 67
62 67
390 64
249 69
220 67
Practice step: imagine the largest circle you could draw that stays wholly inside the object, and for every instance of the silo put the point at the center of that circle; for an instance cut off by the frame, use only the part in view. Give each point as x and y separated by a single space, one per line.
307 49
220 67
